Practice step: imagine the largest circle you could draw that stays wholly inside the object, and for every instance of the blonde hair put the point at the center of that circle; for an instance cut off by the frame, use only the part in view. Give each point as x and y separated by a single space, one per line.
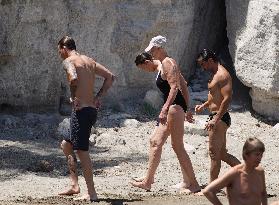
252 144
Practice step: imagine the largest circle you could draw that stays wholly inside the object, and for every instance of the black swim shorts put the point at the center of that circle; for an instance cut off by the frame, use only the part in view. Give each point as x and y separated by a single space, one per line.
226 118
80 127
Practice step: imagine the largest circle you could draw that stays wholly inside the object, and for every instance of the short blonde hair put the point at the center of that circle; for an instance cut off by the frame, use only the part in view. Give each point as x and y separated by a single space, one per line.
252 144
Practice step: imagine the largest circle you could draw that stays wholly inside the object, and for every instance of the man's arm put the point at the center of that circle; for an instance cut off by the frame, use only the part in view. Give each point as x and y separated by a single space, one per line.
72 77
219 183
108 79
226 92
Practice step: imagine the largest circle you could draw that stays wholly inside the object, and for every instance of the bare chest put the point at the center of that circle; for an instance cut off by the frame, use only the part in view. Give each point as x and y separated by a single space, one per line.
213 87
249 186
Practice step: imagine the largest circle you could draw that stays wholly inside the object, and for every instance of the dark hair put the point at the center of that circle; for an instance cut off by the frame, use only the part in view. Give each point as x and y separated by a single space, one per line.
206 54
68 42
141 58
252 144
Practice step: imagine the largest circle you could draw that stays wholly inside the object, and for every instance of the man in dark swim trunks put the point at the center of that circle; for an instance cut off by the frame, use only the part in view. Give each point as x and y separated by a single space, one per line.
219 98
81 71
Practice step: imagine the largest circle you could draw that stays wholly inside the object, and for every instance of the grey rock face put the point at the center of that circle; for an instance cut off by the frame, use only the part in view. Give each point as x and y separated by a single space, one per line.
253 36
153 98
111 31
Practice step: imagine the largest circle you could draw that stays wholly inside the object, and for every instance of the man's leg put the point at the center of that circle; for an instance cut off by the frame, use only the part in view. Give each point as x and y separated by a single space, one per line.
176 117
87 169
216 145
157 141
72 165
226 157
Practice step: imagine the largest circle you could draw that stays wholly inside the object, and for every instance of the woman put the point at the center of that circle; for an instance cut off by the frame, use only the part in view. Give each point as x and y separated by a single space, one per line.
171 119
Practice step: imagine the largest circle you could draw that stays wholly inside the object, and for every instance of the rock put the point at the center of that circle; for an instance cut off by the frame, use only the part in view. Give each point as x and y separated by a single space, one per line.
253 42
119 116
199 96
189 148
196 128
235 107
63 129
41 166
9 121
93 139
108 139
196 88
276 127
29 32
154 99
130 123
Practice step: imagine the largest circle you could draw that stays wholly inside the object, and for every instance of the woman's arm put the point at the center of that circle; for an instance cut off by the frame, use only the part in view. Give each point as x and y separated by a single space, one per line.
171 71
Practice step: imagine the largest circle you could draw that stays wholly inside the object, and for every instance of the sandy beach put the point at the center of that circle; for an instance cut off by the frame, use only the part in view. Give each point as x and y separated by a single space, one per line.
33 169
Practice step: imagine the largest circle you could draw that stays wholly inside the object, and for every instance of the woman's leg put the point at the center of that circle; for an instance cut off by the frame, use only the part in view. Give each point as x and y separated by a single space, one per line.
157 141
176 127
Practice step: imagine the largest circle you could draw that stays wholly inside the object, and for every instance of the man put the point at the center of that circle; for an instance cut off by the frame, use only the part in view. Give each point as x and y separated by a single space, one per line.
245 182
81 71
219 98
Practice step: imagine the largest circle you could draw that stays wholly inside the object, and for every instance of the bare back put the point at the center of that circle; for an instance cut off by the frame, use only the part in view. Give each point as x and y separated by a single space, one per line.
219 86
85 68
246 188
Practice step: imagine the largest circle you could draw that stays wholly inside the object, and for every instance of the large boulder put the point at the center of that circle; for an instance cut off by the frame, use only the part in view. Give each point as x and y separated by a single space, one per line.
253 42
110 31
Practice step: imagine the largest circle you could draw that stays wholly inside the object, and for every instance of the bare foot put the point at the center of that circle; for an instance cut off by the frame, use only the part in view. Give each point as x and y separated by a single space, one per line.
191 190
140 179
141 185
181 185
73 190
87 197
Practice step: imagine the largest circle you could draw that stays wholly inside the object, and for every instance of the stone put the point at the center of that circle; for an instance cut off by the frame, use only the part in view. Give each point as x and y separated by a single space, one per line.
154 99
63 129
276 127
199 96
31 73
9 121
130 123
235 107
253 42
41 166
119 116
196 128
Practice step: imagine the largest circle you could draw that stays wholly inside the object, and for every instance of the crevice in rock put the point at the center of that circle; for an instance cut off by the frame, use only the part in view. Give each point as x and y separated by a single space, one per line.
220 46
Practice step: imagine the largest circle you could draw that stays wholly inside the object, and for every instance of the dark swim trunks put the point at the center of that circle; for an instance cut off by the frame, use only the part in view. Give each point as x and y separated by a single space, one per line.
226 118
81 123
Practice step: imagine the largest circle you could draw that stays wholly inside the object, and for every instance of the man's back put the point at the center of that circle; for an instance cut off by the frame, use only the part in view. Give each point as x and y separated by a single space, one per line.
85 68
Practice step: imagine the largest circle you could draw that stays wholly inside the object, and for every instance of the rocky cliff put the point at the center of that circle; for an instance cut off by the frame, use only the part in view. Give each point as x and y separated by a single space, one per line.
253 32
111 31
115 31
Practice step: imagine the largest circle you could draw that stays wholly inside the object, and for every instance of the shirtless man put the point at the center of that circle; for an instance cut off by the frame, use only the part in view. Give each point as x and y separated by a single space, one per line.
81 71
219 97
245 182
